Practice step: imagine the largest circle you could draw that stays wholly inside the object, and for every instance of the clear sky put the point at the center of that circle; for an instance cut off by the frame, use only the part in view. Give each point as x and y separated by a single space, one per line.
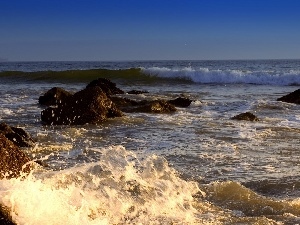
41 30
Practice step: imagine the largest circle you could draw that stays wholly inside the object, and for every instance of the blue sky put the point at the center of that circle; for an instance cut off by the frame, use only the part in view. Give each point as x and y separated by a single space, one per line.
40 30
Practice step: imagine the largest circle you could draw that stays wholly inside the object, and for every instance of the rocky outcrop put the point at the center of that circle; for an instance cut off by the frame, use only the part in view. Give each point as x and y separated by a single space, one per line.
181 102
17 135
54 96
106 85
89 106
245 116
13 163
293 97
12 160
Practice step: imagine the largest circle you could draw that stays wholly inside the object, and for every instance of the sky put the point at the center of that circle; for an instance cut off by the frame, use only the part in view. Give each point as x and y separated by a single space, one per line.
114 30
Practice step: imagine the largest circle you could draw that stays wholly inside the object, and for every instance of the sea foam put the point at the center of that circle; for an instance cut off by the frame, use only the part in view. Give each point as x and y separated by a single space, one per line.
119 189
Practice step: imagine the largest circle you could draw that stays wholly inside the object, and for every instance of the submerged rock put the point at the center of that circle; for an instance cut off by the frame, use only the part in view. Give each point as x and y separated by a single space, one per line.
17 135
12 159
136 92
181 102
156 106
90 105
144 106
106 85
293 97
245 116
132 106
54 96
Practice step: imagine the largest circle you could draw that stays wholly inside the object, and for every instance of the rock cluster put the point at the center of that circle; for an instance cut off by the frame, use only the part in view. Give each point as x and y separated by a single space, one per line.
97 102
90 105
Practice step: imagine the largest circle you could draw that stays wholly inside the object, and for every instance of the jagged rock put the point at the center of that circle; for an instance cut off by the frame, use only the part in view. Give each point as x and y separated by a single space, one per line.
17 135
181 102
106 85
136 92
245 116
90 105
293 97
54 96
12 159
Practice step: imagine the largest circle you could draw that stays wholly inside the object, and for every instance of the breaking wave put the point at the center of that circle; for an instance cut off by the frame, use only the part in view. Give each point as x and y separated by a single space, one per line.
162 74
215 76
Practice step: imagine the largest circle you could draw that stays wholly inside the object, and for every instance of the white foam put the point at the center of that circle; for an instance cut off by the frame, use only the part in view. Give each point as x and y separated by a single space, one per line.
218 76
119 189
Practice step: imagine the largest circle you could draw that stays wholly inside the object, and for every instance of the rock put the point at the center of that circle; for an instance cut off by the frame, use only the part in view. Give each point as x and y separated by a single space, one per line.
156 106
17 135
181 102
90 105
106 85
5 217
12 159
131 106
136 92
123 103
54 96
245 116
293 97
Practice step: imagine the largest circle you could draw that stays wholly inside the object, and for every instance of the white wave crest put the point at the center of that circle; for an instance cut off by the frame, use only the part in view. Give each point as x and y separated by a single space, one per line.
217 76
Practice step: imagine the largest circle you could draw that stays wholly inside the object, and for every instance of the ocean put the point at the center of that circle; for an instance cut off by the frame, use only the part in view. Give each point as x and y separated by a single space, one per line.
193 166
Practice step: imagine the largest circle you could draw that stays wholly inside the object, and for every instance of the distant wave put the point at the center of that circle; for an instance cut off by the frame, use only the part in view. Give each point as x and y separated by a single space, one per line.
161 74
207 76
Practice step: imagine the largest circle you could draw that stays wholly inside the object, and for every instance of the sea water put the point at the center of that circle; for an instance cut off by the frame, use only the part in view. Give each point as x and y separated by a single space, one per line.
194 166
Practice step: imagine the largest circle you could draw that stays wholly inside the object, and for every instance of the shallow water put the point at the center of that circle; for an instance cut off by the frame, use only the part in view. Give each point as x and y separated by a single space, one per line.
195 166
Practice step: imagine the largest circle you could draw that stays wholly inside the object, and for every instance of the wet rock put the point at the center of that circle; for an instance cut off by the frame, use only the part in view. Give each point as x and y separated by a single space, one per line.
245 116
156 106
5 217
54 96
145 106
17 135
90 105
293 97
123 103
136 92
181 102
12 159
106 85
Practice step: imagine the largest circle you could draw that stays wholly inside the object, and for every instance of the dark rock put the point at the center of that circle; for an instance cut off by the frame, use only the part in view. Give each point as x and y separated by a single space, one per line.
293 97
245 116
5 217
131 106
54 96
156 106
17 135
123 103
106 85
136 92
12 159
181 102
90 105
